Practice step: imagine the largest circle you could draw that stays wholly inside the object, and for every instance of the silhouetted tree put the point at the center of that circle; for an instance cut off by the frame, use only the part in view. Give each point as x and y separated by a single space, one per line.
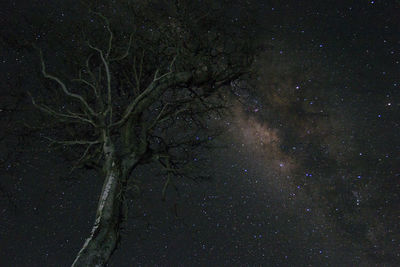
146 78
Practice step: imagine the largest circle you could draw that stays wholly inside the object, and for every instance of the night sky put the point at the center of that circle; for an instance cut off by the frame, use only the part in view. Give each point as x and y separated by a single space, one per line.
307 172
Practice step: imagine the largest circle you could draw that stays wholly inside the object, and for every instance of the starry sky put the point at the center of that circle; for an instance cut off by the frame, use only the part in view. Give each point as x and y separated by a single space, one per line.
307 172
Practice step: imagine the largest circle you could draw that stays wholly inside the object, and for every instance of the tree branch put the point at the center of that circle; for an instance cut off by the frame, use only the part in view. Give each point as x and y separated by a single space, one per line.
126 52
152 92
54 113
108 75
64 87
110 39
72 142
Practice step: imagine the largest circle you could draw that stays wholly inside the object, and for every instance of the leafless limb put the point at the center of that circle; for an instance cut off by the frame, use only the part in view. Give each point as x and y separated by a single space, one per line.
126 54
72 142
108 75
54 113
64 87
111 35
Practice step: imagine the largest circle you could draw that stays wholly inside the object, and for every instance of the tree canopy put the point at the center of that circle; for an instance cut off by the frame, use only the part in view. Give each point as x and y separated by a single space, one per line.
138 85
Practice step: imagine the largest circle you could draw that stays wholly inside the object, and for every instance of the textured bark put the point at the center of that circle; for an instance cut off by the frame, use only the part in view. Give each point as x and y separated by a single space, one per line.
98 248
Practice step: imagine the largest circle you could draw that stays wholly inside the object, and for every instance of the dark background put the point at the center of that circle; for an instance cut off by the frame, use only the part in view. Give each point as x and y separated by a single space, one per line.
307 173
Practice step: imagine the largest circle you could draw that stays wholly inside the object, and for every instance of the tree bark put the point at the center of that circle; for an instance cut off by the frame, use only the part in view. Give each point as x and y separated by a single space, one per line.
98 248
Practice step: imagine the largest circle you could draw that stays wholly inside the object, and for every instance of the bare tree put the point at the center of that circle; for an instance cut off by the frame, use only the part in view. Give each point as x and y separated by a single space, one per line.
140 95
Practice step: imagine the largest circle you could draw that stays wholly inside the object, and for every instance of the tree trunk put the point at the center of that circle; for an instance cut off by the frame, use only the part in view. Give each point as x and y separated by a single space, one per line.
98 248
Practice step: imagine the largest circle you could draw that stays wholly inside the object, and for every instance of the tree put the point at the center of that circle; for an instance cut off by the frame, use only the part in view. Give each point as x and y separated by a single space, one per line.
142 93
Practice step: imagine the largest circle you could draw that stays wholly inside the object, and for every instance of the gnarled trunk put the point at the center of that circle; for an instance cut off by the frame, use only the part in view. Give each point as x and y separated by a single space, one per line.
98 248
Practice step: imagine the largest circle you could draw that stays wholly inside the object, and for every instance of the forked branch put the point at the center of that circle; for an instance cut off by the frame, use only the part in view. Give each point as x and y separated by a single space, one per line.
71 116
64 87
